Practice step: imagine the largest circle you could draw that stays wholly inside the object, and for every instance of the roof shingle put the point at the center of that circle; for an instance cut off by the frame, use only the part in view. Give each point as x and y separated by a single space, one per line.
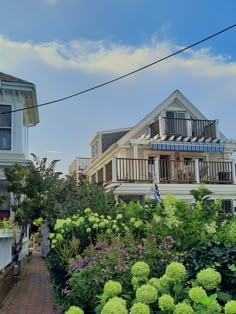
9 78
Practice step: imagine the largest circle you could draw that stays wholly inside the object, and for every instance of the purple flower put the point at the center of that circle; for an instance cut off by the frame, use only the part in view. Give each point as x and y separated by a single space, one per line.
80 264
98 245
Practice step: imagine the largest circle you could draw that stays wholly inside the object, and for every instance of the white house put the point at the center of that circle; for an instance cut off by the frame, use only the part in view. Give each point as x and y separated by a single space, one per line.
15 94
175 146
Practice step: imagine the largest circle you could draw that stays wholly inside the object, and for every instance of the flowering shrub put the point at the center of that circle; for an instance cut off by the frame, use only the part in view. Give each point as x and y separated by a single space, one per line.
74 310
146 294
98 264
230 307
140 269
167 294
112 288
166 303
140 308
7 223
115 306
156 283
196 294
176 271
209 278
183 308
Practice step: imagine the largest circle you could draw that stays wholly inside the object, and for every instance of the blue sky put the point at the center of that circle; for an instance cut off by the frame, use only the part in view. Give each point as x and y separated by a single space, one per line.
64 46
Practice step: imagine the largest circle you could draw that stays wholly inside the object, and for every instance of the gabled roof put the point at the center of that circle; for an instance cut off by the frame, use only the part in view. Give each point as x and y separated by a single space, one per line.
150 118
27 91
9 78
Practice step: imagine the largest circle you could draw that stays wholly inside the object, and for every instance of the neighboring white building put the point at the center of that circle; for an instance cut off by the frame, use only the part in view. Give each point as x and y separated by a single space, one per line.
175 146
15 94
78 166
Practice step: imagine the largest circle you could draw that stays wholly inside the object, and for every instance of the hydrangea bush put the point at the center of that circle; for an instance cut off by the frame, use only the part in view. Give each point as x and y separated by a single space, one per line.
169 294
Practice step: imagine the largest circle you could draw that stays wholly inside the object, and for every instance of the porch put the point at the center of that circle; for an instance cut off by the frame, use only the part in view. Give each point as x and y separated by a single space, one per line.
135 170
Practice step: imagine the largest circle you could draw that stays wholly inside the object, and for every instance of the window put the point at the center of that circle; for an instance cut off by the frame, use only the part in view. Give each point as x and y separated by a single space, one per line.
176 123
95 149
5 128
5 207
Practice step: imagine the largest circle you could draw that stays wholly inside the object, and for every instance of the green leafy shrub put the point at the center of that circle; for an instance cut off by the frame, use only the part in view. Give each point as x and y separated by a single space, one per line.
217 255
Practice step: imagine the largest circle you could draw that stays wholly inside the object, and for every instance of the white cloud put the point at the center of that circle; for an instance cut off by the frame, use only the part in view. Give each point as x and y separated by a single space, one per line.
54 152
107 57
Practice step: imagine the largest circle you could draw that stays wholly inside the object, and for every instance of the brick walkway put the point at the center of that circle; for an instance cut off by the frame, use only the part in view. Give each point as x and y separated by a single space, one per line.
32 294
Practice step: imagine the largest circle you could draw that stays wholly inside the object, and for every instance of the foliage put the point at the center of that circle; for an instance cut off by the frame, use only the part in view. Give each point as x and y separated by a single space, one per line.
75 196
7 223
111 242
99 263
182 296
217 255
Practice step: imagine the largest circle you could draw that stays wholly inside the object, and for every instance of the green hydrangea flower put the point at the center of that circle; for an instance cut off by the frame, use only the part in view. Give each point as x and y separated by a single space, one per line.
209 278
183 308
196 294
88 230
59 236
176 271
87 210
118 300
146 294
74 310
230 307
166 303
140 308
119 216
140 269
114 306
112 288
165 283
156 283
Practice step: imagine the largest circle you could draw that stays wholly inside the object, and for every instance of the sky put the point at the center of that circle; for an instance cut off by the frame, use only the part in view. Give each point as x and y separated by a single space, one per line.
65 46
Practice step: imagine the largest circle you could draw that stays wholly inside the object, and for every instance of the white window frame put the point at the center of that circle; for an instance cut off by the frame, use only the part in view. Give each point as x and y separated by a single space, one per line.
8 128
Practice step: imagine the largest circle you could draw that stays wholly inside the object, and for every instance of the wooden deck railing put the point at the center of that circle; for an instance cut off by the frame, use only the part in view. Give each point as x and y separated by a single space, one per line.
172 171
190 127
166 171
177 171
135 169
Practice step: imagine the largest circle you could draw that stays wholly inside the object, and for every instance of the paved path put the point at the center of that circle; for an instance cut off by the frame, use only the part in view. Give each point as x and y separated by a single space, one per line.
32 294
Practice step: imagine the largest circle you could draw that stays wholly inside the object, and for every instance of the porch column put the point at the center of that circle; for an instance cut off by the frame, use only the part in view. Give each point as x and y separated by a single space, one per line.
96 177
161 126
196 166
156 168
217 129
234 171
104 174
114 169
189 127
135 150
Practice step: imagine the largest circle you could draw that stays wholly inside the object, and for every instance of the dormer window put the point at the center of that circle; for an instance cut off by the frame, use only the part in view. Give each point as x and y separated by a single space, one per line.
5 127
176 114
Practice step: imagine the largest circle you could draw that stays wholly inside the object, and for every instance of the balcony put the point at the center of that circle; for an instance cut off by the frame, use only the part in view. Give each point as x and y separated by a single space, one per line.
166 171
185 127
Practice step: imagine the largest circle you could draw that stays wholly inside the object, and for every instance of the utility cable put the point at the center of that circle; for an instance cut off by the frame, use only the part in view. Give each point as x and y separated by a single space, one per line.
127 74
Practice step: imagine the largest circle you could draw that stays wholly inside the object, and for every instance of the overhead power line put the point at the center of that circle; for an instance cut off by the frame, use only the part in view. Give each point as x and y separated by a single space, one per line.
127 74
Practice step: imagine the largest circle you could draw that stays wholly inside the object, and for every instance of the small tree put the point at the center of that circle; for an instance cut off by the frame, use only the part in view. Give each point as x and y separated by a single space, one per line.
34 188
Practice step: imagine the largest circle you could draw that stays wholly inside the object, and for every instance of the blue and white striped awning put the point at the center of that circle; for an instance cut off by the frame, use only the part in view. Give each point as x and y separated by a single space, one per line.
190 147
